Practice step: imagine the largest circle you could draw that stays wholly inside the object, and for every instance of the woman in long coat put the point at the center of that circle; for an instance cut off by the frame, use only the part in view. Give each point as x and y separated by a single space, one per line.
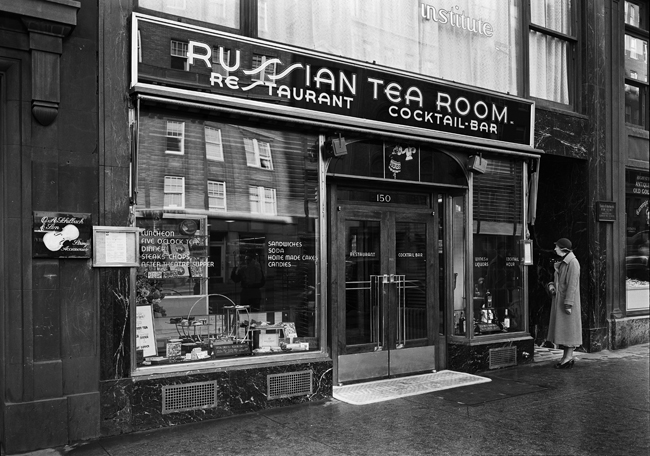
565 326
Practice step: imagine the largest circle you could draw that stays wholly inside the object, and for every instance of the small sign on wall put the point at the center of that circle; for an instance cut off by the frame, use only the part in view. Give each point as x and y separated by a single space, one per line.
61 235
116 246
606 211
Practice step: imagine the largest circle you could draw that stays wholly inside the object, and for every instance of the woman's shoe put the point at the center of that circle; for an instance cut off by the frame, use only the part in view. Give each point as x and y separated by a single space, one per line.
566 365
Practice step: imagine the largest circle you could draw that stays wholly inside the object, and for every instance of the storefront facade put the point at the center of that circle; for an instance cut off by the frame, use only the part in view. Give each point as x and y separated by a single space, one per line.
290 199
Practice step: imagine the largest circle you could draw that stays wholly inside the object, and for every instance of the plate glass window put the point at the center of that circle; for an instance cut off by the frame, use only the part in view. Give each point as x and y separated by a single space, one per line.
229 251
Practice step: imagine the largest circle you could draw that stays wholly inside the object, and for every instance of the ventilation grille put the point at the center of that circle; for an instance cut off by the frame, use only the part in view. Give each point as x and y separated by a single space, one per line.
189 396
503 357
289 384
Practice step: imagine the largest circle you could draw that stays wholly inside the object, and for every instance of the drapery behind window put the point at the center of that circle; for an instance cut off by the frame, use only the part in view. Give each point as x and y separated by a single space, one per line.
549 67
395 34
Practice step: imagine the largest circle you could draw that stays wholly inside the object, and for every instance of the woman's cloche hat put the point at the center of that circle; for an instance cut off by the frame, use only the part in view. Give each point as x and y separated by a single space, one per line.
564 244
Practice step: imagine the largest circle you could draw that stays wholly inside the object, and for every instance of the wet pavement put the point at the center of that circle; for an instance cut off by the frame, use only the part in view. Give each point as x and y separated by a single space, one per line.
600 407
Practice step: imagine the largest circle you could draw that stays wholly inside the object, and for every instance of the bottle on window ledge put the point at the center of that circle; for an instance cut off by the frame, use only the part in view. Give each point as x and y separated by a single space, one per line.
461 323
506 321
488 298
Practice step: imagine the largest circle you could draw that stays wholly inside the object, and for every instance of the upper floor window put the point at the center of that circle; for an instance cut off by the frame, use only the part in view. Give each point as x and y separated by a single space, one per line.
174 192
216 12
551 44
263 61
179 55
476 42
636 63
213 144
258 154
175 137
217 196
262 201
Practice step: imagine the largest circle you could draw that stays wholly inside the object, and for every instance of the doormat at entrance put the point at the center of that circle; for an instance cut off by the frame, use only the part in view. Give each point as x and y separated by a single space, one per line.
395 388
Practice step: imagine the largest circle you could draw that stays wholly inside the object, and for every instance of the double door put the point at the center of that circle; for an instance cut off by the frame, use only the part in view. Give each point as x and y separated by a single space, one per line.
386 290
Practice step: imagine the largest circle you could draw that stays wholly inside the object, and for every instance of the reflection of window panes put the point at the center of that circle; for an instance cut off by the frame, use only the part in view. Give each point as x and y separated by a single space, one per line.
262 201
216 64
636 58
258 154
213 145
179 55
174 191
632 16
261 60
217 196
175 134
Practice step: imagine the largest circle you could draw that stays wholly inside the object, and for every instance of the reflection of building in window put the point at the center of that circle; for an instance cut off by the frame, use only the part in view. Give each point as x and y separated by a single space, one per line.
174 192
217 196
260 60
175 136
179 55
258 153
216 64
263 200
213 144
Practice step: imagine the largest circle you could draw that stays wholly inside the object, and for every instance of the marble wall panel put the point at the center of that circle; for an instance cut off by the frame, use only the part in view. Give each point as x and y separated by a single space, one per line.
116 411
238 391
476 358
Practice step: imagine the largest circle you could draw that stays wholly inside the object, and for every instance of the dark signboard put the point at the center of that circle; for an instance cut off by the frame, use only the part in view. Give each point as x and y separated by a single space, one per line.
62 235
606 211
217 64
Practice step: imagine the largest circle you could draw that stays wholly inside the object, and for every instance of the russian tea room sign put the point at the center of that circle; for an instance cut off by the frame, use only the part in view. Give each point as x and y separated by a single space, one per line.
217 64
61 235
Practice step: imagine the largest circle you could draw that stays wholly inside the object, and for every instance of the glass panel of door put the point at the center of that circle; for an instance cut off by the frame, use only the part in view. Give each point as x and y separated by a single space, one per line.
389 300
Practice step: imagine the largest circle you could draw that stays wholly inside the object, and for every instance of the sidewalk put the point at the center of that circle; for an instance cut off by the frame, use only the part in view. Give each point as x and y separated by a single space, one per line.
600 407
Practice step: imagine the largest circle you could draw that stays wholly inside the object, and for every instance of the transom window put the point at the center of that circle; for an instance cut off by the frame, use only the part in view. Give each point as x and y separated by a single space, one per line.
217 196
262 200
174 192
213 144
175 137
258 154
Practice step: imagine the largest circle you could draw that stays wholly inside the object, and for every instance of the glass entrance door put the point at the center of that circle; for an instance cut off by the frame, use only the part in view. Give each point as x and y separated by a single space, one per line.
387 301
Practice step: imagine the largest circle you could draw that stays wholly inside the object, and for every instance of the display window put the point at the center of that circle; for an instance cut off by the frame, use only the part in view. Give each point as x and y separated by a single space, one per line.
230 240
637 281
497 291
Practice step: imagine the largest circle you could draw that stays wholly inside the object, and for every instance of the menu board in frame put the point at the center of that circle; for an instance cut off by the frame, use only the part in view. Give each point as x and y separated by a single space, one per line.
116 246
